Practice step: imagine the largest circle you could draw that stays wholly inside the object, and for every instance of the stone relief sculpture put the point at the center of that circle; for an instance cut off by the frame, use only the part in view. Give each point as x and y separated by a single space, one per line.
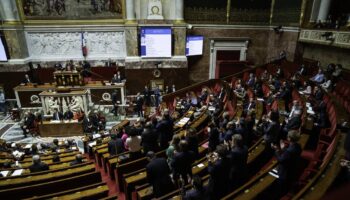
72 9
76 104
155 9
51 104
61 44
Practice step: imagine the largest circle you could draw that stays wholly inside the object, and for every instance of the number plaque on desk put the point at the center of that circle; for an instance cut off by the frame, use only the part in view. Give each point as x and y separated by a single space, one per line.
68 78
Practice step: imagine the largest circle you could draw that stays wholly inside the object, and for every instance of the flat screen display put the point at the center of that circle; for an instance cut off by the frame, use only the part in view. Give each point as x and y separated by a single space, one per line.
194 45
155 42
3 55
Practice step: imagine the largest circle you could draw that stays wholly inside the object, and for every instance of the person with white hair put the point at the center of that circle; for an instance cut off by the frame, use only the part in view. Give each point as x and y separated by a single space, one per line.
37 165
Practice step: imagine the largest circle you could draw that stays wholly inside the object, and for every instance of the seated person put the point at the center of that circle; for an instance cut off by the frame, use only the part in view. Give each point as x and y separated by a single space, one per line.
68 115
337 71
78 160
279 72
249 106
265 76
251 80
57 115
240 91
37 165
327 85
204 95
302 70
26 79
117 78
295 107
319 77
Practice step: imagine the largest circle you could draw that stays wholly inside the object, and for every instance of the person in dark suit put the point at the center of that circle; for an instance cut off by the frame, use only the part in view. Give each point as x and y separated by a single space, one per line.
318 93
158 175
222 94
285 93
218 168
68 115
147 96
149 138
57 115
117 78
248 106
27 79
238 156
182 162
198 191
214 139
302 70
251 80
165 130
157 94
288 159
37 165
271 130
86 72
28 123
139 104
78 160
115 145
293 123
192 140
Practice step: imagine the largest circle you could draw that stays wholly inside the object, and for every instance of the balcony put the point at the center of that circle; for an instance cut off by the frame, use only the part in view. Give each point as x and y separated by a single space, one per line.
326 37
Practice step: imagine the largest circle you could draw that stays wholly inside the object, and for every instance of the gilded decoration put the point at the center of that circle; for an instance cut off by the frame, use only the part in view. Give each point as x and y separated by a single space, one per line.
71 9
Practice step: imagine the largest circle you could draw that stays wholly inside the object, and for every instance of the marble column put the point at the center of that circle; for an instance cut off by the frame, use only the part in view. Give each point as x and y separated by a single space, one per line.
130 10
180 40
324 10
315 10
179 10
9 10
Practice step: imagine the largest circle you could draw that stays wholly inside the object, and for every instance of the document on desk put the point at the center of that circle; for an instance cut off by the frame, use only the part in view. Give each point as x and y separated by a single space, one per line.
200 165
17 172
4 173
91 144
55 121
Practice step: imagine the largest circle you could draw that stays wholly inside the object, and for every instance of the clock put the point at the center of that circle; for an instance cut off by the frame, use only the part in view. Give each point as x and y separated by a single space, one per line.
155 10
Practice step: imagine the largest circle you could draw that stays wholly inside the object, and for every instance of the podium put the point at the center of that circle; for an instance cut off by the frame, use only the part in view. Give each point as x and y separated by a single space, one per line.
68 78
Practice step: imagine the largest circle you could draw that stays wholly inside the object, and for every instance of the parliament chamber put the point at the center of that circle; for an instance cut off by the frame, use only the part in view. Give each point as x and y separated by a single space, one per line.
175 99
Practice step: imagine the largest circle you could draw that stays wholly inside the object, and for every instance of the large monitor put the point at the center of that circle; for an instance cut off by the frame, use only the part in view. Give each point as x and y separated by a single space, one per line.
194 45
3 52
156 42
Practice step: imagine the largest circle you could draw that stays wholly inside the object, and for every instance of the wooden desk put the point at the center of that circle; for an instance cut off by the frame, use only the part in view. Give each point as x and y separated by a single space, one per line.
48 129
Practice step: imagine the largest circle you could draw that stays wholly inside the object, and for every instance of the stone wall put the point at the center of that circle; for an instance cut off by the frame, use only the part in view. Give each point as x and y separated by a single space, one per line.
327 54
264 45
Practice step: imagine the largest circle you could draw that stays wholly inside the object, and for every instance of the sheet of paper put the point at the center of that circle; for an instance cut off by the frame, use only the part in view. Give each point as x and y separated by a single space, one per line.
4 173
17 172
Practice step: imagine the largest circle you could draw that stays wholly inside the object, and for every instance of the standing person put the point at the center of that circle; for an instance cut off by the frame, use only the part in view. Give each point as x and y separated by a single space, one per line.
139 104
27 79
158 175
147 96
173 148
134 144
157 96
198 191
218 168
239 157
28 123
192 140
165 130
115 145
182 162
2 103
149 138
288 159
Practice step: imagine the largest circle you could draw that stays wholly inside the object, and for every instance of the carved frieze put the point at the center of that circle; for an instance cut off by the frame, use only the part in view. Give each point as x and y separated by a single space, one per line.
60 45
326 37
